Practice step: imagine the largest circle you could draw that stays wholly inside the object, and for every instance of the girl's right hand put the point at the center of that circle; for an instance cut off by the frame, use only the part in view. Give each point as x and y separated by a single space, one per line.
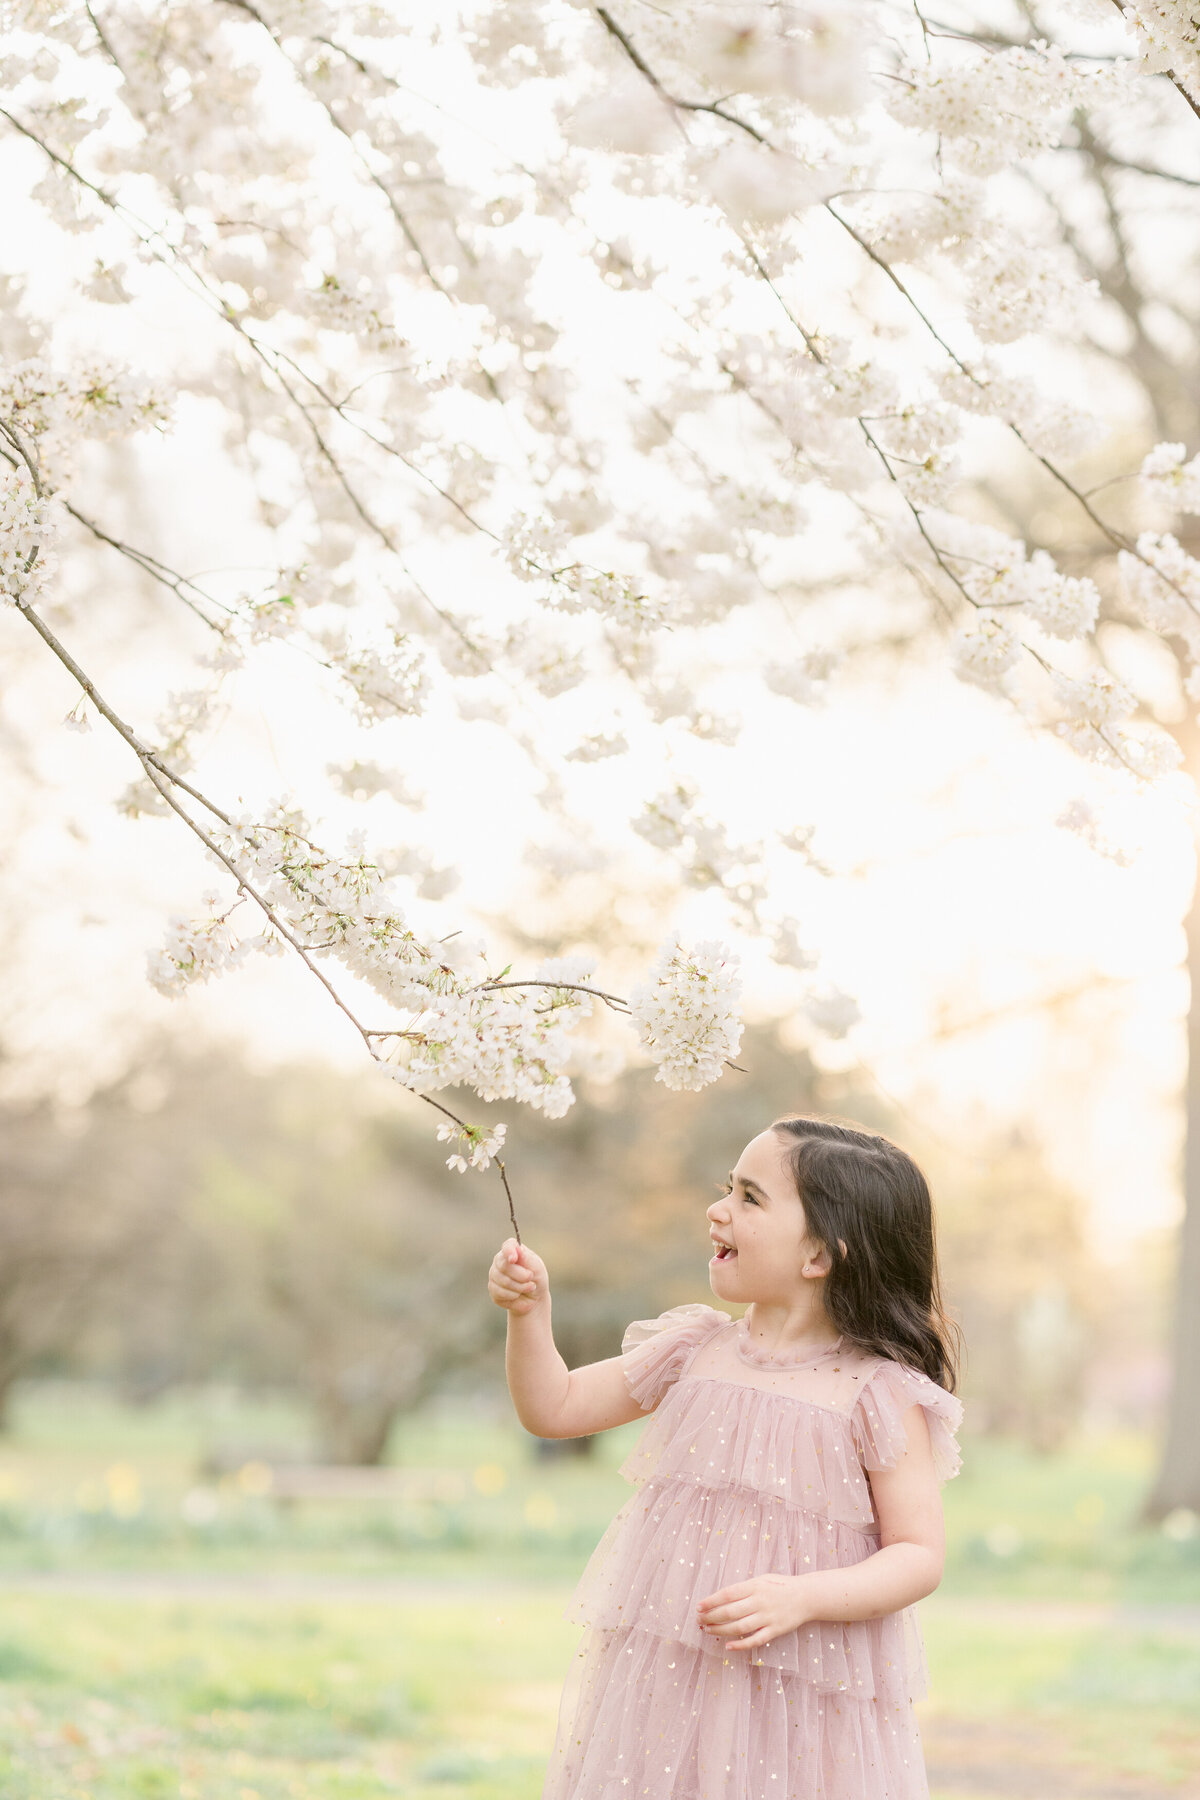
518 1278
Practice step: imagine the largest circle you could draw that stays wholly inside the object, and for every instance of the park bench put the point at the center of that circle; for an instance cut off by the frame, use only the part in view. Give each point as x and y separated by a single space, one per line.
276 1476
328 1481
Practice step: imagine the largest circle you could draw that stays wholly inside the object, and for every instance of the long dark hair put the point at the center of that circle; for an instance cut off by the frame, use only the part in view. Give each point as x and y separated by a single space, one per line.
882 1291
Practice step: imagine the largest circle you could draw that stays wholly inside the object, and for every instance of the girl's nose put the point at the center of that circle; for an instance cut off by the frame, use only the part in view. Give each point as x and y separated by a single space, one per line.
715 1211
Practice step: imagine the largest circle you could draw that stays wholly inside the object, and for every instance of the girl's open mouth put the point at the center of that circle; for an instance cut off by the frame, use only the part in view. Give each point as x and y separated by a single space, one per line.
724 1253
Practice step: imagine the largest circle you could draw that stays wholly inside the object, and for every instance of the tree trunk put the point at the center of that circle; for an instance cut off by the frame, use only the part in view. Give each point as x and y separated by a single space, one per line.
1178 1480
353 1432
9 1372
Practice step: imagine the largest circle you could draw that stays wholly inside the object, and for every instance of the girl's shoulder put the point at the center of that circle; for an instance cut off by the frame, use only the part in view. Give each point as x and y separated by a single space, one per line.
887 1392
656 1351
693 1319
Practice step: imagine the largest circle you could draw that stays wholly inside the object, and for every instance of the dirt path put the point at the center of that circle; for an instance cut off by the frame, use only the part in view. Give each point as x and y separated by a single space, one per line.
250 1584
1023 1759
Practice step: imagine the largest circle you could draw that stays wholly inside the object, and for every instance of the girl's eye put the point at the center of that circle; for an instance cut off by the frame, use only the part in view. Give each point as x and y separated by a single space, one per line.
727 1188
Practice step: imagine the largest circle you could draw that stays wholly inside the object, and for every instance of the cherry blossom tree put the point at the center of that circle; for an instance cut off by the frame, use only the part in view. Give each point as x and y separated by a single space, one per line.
587 365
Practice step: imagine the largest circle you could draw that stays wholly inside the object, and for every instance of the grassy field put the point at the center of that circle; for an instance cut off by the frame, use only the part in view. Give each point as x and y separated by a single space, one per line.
170 1636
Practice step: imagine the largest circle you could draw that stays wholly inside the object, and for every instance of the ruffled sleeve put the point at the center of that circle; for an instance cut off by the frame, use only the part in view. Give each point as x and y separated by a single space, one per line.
655 1350
878 1418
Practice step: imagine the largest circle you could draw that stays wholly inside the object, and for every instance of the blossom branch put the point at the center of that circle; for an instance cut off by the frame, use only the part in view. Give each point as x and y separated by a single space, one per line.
613 1001
1116 538
198 287
643 68
165 780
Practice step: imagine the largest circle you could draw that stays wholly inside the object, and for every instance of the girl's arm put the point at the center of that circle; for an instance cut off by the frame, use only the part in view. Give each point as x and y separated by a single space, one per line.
551 1400
906 1567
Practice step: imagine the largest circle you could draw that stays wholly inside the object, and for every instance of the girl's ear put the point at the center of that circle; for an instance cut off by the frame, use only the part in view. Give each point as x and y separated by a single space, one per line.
818 1264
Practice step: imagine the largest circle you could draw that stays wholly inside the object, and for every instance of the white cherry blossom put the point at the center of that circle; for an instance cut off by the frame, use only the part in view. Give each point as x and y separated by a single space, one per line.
464 519
29 526
686 1013
833 1012
1097 697
1168 476
986 653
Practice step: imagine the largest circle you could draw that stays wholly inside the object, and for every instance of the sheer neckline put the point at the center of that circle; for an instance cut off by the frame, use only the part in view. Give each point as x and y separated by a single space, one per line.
764 1359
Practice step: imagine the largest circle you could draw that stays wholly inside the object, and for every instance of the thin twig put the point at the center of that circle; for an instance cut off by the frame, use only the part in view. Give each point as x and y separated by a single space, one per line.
575 987
695 106
149 758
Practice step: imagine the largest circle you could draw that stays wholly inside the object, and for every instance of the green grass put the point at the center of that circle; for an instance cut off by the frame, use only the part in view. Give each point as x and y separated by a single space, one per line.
104 1699
1068 1709
1064 1527
443 1682
87 1484
224 1700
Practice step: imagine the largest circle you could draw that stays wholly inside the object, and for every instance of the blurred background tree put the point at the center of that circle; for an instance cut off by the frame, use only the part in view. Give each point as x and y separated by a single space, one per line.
289 1229
1122 187
1127 216
81 1210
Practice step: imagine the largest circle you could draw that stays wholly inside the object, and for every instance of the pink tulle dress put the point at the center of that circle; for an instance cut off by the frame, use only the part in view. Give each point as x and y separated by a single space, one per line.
750 1465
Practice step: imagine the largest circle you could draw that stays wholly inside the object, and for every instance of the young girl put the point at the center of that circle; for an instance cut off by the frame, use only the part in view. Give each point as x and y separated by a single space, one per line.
750 1607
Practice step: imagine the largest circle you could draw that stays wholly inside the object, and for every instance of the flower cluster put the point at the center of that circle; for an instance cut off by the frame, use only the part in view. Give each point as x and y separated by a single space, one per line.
197 949
1148 755
387 677
1064 606
599 746
751 183
809 52
361 780
703 848
1050 424
431 879
538 550
1079 817
1168 38
803 681
29 527
370 328
1097 697
832 1012
789 948
506 1044
813 53
475 1145
1162 586
687 1015
361 315
986 653
1166 475
504 1040
1018 287
52 408
996 108
552 668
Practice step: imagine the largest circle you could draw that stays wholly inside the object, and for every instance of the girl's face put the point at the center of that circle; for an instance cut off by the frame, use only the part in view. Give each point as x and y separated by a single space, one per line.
761 1223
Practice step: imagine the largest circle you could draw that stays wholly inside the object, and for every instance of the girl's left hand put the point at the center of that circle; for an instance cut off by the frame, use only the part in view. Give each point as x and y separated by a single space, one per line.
752 1613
